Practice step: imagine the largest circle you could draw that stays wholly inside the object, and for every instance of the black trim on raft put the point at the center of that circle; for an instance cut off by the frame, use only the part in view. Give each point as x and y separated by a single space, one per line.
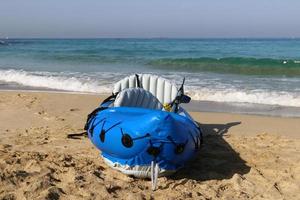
141 137
154 151
201 137
103 132
199 140
102 135
93 127
127 141
92 115
180 98
138 83
112 97
179 148
196 142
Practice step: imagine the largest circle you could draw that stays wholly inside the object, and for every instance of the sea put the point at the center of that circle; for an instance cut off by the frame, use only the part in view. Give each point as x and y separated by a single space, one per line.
252 76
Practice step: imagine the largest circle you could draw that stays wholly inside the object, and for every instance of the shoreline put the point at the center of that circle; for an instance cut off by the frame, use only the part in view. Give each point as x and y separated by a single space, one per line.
200 106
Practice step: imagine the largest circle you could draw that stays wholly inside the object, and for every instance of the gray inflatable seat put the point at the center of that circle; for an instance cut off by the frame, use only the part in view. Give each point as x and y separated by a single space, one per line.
162 89
137 97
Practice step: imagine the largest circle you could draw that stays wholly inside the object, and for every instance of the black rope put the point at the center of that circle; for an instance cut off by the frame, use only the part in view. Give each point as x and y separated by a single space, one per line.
112 97
113 126
141 137
103 132
196 142
182 84
77 135
179 96
92 115
93 127
201 136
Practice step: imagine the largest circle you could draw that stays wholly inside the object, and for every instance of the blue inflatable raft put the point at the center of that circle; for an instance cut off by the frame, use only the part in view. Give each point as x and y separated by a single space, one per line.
141 129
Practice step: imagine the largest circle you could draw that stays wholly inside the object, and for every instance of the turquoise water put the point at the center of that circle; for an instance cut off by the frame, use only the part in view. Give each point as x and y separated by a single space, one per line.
250 71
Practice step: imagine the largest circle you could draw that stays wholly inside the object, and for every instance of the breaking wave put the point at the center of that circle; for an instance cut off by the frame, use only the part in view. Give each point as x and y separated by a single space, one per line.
240 96
59 81
103 82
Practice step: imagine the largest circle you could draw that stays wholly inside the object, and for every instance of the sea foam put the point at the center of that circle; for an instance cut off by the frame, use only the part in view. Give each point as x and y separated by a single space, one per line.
240 96
102 83
57 81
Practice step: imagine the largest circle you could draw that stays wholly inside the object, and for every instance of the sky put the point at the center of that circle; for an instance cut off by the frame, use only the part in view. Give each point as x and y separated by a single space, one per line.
149 18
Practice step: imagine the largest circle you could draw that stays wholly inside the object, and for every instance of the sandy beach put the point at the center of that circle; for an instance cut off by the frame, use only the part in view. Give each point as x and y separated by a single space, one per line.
243 157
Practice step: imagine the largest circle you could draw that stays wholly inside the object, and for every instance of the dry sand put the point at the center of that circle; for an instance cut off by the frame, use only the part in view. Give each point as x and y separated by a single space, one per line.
244 157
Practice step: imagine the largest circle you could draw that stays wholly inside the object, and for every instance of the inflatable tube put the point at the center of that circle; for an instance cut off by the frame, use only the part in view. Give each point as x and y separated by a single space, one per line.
130 138
141 130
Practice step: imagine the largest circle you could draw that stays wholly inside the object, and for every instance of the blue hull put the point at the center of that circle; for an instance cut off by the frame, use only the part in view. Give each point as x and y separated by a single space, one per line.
133 137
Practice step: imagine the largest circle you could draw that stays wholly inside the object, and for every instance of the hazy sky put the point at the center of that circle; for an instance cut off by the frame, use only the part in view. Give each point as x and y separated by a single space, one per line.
150 18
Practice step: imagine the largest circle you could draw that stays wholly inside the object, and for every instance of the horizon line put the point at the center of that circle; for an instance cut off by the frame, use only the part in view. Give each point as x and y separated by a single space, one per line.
199 38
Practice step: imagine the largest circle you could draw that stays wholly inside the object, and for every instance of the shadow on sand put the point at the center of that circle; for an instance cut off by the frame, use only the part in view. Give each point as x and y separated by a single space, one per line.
216 160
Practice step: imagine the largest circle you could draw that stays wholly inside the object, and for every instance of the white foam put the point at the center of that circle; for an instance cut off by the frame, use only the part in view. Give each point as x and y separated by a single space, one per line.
210 90
258 96
56 81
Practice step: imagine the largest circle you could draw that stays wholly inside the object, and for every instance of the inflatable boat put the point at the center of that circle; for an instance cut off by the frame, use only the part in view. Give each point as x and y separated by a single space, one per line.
142 130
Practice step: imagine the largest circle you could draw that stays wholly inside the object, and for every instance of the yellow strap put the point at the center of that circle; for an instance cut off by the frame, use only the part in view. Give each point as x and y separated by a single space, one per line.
167 107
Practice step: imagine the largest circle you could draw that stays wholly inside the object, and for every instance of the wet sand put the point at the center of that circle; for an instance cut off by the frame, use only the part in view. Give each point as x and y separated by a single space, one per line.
244 156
